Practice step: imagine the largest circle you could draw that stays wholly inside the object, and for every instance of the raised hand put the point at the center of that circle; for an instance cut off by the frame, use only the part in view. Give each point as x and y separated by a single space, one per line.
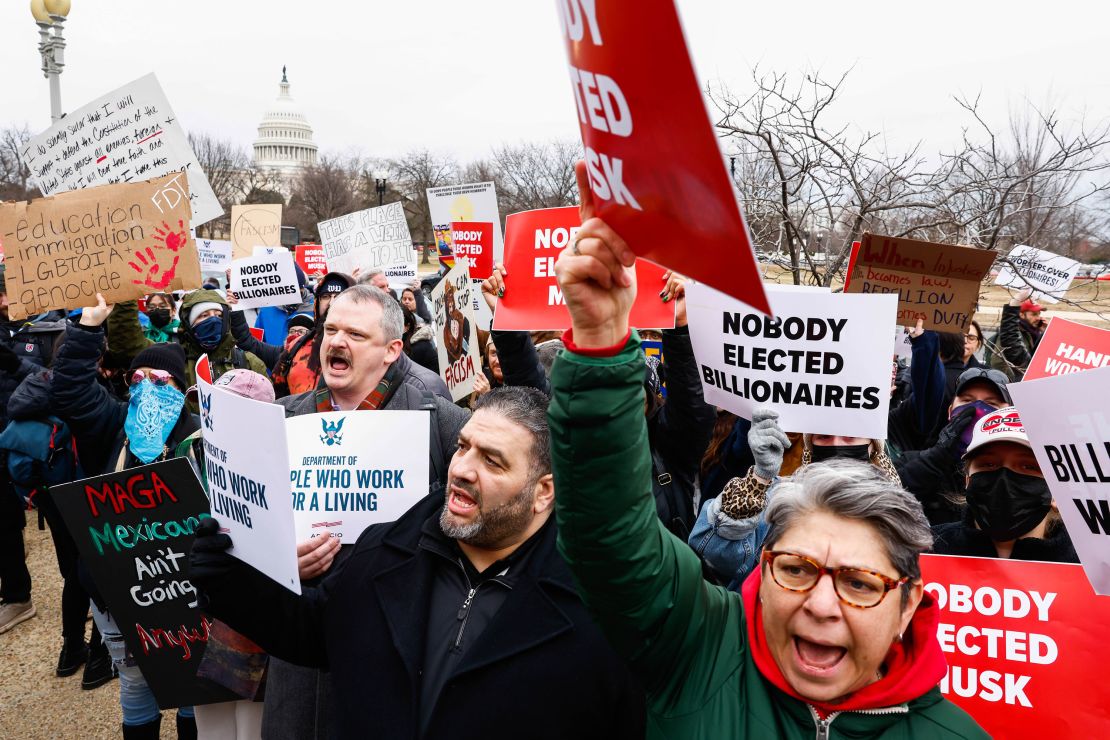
493 287
95 315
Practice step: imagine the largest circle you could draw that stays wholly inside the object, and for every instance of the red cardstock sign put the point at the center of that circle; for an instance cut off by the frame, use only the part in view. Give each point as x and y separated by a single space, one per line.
655 169
474 241
533 301
1024 643
1068 347
311 258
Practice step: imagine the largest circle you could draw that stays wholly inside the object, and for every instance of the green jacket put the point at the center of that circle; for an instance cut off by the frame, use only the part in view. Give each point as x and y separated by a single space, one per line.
685 638
167 333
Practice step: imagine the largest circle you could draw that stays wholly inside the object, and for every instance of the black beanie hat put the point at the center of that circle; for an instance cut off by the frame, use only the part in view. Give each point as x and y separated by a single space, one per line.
168 356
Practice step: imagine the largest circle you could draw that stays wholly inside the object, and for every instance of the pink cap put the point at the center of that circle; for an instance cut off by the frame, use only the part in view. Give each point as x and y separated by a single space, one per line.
248 384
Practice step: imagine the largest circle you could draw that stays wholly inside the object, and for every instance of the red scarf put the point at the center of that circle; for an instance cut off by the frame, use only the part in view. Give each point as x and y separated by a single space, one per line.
377 398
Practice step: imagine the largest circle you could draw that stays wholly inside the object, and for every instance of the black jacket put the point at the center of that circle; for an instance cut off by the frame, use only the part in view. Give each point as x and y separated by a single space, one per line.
541 669
962 538
1018 340
35 343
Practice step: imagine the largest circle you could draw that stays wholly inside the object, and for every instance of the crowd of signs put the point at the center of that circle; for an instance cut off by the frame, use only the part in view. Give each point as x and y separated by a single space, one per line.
125 193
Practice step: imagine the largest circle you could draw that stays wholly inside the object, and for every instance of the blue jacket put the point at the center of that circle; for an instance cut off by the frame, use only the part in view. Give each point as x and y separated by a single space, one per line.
730 547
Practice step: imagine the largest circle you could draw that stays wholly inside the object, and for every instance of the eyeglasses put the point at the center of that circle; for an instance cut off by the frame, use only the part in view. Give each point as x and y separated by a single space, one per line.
862 589
157 377
297 331
972 338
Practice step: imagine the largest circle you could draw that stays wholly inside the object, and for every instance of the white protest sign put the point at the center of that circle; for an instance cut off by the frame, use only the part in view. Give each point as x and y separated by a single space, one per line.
1067 418
456 331
351 469
127 135
266 280
473 202
373 239
247 469
1048 274
215 254
902 347
818 361
261 251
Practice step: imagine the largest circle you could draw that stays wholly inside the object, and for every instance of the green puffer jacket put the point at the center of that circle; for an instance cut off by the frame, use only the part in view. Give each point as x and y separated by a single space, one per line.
686 639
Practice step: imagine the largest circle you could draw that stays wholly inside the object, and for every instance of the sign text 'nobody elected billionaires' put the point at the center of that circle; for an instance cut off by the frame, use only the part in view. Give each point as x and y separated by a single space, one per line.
1067 418
123 241
533 300
134 529
655 168
1069 347
1024 645
823 361
265 280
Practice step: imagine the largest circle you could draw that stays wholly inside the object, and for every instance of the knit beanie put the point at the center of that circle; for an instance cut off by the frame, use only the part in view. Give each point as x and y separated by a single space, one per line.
168 356
198 308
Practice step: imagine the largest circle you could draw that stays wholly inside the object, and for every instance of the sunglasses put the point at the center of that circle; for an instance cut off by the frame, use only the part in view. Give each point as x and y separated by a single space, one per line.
856 587
157 377
995 376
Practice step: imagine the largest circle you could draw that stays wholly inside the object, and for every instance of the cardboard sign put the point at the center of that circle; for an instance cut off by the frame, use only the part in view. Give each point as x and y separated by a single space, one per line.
214 254
1067 419
1024 643
123 241
130 134
533 300
351 469
1069 347
473 242
472 202
1048 274
266 280
818 362
937 283
253 226
247 463
134 529
311 259
372 239
654 164
460 358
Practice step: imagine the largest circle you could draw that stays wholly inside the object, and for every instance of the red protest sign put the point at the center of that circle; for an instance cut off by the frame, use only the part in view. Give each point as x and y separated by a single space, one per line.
1024 645
655 169
851 265
533 301
311 258
474 241
1068 347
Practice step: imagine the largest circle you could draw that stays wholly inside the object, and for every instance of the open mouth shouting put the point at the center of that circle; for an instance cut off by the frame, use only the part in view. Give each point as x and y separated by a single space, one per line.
338 362
460 501
817 659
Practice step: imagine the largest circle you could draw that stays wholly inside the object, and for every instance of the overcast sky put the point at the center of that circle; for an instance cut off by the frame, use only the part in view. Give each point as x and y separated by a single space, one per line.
384 77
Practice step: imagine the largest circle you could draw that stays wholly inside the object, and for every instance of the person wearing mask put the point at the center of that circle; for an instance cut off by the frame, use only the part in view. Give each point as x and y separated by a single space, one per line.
1010 512
274 320
162 316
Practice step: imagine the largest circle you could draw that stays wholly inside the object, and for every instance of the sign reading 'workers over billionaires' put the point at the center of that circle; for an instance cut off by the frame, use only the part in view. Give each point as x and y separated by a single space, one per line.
134 529
1024 644
123 241
823 361
1048 274
1068 421
265 280
1069 347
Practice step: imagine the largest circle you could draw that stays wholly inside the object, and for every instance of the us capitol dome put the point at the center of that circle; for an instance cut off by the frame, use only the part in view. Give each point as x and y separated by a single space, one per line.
284 142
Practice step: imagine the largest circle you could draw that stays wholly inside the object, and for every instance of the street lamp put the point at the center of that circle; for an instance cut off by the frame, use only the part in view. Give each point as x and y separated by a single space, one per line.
50 14
380 177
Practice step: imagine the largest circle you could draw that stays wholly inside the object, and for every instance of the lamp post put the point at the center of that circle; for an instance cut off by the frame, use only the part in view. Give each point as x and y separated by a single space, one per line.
380 177
50 14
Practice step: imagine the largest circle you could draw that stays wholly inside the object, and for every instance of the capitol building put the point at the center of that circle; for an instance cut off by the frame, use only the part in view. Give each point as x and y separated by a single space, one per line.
284 144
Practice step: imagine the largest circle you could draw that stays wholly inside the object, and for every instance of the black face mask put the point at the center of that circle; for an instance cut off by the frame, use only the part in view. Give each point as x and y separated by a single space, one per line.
159 316
1005 504
821 453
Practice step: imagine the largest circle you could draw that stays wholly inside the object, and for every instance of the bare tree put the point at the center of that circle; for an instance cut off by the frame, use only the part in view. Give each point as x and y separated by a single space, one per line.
532 175
15 177
411 175
323 191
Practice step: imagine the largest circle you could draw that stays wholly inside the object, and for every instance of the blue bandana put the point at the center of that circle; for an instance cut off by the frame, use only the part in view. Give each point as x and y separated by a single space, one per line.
151 416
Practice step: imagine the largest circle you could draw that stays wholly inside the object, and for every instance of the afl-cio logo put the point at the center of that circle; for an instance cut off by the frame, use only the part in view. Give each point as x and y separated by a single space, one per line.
1011 420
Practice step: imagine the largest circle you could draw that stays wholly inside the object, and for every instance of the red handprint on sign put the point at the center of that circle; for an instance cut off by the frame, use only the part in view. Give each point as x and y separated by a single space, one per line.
174 240
151 272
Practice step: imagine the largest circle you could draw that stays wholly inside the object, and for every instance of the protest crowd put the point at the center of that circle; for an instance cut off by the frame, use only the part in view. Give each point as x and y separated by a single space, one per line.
607 492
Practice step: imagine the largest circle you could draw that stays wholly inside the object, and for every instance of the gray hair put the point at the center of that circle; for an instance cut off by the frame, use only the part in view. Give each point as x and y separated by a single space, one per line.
855 490
528 408
393 319
367 277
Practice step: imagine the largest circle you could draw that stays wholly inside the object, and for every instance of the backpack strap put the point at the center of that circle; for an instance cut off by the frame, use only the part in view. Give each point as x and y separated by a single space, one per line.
428 403
239 359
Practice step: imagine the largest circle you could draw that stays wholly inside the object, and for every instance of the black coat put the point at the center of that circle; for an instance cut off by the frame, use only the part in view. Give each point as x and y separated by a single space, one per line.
35 344
541 669
962 538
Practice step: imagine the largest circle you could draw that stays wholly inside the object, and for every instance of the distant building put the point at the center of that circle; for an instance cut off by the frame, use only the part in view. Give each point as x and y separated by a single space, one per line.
284 142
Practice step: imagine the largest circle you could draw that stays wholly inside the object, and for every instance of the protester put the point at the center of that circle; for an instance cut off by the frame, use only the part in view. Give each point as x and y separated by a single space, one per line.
1010 512
458 620
377 278
419 344
412 298
1020 332
795 655
162 315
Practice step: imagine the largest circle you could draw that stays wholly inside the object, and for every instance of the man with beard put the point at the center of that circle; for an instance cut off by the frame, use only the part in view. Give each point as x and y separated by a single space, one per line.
458 620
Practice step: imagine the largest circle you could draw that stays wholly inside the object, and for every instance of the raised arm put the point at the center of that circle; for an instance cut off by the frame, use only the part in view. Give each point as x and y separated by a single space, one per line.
125 333
244 340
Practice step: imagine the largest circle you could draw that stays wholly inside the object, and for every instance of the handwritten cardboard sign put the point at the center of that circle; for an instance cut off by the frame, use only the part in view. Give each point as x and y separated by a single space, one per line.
214 254
253 226
654 165
372 239
1024 644
473 242
128 135
937 283
470 202
456 331
265 280
123 240
311 258
1069 347
134 529
533 300
1050 275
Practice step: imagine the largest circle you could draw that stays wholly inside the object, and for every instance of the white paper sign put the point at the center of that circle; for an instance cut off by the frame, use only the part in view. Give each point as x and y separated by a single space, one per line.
475 201
351 469
902 347
261 251
1048 274
819 361
373 239
1067 418
456 331
129 134
267 280
247 468
215 254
